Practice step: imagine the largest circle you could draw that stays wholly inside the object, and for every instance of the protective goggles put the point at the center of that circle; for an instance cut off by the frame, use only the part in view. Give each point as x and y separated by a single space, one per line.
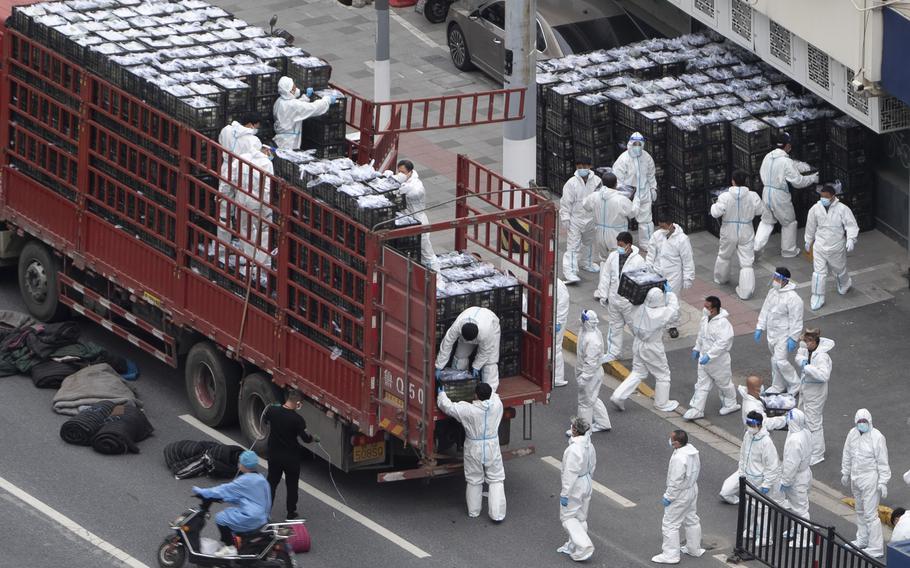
753 422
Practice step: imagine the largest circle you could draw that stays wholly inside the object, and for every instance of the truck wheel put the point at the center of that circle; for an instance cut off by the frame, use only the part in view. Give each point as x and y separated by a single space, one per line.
212 384
257 392
38 282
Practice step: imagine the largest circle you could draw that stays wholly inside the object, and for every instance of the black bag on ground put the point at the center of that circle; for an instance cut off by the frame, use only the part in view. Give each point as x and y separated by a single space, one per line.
188 458
50 374
80 429
122 430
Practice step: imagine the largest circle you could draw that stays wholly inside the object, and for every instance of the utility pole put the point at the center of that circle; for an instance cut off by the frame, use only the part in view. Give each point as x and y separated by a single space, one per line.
519 137
381 67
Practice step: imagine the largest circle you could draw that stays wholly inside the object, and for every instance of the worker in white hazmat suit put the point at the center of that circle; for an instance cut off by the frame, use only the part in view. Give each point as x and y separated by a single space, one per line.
759 464
900 523
831 233
291 110
578 464
814 362
782 317
865 470
482 457
254 199
415 195
635 167
625 258
648 355
712 352
610 210
238 137
670 253
778 170
736 208
562 316
476 332
577 221
589 373
680 502
796 476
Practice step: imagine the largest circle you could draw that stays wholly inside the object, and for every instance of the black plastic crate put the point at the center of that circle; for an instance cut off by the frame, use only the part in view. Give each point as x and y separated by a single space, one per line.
199 117
559 98
559 122
811 130
690 221
658 152
847 133
746 161
555 183
751 140
852 181
560 167
237 94
713 225
510 341
717 154
686 178
461 389
682 138
600 155
688 158
509 364
509 298
635 284
866 221
688 200
849 158
263 105
558 144
591 113
652 124
812 153
316 77
599 135
318 131
375 215
626 111
717 175
715 132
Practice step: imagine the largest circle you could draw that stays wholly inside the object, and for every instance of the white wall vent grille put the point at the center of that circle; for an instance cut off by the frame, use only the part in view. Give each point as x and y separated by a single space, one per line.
819 67
893 114
741 20
781 43
706 7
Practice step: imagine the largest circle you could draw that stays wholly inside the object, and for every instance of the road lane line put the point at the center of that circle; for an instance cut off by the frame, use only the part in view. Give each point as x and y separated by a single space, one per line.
70 525
415 32
319 495
600 488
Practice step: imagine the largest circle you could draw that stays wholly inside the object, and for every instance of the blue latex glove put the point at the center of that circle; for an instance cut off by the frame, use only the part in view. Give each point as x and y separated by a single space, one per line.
785 488
558 327
791 345
438 374
757 335
309 92
564 501
695 355
667 287
765 490
704 360
475 373
333 97
666 502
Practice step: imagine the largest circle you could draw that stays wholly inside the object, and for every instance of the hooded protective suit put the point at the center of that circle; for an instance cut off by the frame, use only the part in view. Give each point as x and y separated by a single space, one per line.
781 317
736 208
578 223
611 211
777 170
833 230
758 459
578 464
715 338
290 111
796 477
639 172
589 373
648 355
865 468
813 389
671 256
415 195
250 492
682 493
619 310
486 359
254 199
482 458
562 316
237 138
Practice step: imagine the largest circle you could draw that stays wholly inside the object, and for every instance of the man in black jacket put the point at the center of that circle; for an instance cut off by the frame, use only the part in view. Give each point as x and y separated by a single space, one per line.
286 425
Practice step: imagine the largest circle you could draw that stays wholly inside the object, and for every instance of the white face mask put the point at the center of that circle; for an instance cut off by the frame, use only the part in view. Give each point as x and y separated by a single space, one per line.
635 151
706 311
400 177
776 284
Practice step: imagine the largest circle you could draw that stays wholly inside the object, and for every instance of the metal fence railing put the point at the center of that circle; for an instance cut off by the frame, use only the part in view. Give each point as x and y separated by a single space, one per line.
774 536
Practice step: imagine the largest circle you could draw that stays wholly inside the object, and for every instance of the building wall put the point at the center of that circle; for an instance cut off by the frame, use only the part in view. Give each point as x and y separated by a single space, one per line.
893 189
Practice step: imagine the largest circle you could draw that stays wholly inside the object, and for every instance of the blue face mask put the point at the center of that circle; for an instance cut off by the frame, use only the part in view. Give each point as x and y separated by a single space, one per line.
635 151
825 201
863 427
620 250
583 172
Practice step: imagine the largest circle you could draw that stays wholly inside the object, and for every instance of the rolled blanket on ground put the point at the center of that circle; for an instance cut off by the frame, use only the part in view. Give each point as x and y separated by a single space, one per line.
81 428
122 430
50 374
188 458
224 460
92 385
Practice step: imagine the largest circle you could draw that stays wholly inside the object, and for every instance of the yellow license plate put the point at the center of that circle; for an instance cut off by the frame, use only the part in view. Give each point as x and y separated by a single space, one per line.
369 452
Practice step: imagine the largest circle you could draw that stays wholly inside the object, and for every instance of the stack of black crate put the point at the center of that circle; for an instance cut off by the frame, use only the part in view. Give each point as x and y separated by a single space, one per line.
751 141
808 140
324 133
558 143
699 159
847 160
592 128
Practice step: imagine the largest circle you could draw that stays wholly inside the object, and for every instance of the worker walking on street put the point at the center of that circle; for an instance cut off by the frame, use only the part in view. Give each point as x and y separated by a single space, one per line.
415 195
865 470
589 373
670 253
482 457
796 475
782 317
635 167
712 353
625 258
815 371
578 464
680 502
291 110
611 211
286 426
648 354
736 208
578 222
562 316
476 333
777 171
759 464
831 232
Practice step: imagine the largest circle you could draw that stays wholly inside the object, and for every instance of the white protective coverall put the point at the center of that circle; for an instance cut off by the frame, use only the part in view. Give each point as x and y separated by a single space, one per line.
760 465
901 530
578 464
290 112
578 223
648 356
671 256
619 309
254 199
482 458
781 318
736 208
638 171
589 373
682 492
236 139
777 170
813 392
486 360
562 316
611 211
715 338
796 476
833 230
415 195
865 468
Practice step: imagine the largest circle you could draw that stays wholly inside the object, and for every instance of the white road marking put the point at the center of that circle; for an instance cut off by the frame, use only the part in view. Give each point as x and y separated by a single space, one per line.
767 266
416 33
319 495
599 487
70 525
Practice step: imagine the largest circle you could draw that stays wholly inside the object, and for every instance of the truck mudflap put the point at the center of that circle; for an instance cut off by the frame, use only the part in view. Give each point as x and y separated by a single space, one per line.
442 470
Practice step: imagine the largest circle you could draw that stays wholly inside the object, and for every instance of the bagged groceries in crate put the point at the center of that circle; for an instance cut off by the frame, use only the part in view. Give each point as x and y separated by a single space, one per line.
634 285
778 404
458 385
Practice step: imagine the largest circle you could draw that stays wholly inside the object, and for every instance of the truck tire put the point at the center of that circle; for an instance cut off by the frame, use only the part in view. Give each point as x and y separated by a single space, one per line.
38 282
257 392
212 384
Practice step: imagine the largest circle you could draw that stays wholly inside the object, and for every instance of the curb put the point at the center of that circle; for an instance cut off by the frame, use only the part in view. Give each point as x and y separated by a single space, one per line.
613 368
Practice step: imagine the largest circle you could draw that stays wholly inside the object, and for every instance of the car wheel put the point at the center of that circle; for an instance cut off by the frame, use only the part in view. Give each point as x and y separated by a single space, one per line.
458 48
436 11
